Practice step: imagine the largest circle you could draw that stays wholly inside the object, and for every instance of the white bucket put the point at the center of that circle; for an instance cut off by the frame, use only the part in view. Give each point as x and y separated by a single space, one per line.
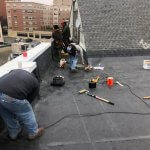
146 64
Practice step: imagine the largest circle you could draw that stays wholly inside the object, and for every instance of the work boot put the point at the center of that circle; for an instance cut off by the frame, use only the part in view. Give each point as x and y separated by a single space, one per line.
74 70
38 134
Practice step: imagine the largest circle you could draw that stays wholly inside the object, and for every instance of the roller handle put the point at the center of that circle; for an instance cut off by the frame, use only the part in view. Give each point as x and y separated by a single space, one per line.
102 99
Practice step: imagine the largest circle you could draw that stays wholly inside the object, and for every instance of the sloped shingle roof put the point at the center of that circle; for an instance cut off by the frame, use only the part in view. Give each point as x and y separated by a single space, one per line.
115 24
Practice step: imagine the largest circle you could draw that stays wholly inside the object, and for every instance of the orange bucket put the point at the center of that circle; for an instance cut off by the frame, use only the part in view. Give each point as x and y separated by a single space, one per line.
110 81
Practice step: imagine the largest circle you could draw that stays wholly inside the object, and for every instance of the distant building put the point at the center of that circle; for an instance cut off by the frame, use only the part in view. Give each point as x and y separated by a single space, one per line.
61 10
62 2
1 34
13 0
3 8
3 15
29 20
34 20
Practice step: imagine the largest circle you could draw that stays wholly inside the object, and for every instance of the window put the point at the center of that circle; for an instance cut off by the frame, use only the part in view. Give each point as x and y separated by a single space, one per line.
43 36
29 11
37 36
30 34
22 34
30 17
30 29
15 28
29 5
35 28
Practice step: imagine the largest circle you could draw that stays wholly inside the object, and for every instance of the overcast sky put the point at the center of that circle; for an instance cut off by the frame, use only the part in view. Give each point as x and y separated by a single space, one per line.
48 2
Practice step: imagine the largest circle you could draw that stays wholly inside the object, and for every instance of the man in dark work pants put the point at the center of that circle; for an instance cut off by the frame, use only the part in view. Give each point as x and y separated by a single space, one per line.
17 89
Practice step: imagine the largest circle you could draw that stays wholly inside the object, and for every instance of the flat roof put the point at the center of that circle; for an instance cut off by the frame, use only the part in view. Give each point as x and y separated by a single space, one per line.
122 126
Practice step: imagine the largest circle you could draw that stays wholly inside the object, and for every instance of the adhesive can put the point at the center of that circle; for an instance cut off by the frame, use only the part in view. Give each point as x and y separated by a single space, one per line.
92 85
110 81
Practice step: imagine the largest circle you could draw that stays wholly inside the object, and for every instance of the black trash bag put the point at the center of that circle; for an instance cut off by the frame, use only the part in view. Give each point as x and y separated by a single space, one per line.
58 81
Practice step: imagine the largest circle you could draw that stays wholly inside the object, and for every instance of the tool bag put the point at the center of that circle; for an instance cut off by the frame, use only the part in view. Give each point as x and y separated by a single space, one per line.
58 81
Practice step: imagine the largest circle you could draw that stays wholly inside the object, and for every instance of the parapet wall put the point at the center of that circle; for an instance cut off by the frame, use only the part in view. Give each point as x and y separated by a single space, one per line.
37 61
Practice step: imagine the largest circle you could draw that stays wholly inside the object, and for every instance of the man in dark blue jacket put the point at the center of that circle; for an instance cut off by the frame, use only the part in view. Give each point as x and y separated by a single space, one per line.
18 89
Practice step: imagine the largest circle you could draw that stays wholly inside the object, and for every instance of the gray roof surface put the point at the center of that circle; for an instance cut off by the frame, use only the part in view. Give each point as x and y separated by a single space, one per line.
115 24
101 132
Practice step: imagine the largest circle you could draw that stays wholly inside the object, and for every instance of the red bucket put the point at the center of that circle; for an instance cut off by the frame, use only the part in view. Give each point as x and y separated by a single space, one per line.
110 81
24 53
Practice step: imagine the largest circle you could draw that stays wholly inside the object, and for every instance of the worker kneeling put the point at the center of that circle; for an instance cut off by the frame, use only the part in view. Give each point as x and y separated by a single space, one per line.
17 89
72 51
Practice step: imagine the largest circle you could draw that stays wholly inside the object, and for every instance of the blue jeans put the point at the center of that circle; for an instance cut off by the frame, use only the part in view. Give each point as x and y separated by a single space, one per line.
73 62
16 113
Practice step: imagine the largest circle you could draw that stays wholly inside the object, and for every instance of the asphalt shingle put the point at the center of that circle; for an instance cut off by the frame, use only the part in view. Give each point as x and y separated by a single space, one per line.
114 25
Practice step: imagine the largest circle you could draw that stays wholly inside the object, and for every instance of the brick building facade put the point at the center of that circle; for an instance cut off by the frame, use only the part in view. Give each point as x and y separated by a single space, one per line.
61 10
3 15
35 20
29 19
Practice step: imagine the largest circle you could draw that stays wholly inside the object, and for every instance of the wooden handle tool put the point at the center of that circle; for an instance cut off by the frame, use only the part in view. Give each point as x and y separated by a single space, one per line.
146 97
